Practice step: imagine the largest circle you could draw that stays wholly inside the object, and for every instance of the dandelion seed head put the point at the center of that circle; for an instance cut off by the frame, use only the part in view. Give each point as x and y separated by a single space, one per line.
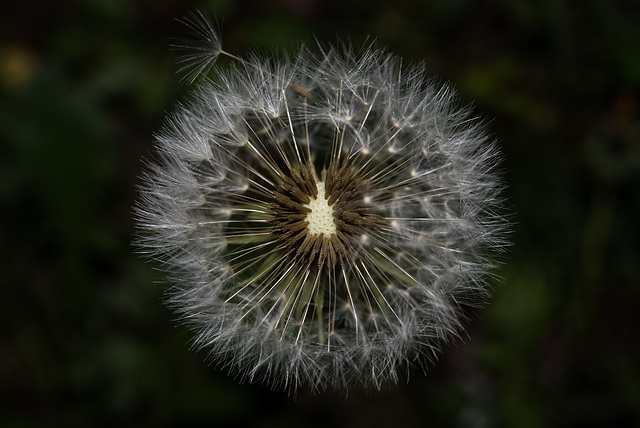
323 216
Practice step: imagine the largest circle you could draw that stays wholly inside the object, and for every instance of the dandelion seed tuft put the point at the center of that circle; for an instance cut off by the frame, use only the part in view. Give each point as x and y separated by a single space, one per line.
325 217
199 48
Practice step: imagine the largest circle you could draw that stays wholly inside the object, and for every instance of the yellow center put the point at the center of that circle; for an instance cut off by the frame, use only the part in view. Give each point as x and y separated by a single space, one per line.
321 216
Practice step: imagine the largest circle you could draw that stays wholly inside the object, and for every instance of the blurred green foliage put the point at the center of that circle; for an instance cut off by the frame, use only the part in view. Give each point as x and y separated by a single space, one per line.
86 340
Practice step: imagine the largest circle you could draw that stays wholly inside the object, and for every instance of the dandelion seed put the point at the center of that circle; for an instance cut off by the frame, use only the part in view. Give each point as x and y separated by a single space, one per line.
200 49
323 217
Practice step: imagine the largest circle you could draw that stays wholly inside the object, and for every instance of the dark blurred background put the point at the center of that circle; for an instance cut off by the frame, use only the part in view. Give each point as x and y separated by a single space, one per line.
85 339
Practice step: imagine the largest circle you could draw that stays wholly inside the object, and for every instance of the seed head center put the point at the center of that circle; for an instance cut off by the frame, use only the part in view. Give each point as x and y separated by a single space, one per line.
320 218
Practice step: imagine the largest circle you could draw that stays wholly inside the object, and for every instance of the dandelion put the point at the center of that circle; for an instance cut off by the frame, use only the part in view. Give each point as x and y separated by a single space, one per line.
325 217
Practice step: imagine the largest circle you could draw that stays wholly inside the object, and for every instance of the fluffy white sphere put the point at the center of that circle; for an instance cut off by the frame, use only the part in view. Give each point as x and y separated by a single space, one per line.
324 217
